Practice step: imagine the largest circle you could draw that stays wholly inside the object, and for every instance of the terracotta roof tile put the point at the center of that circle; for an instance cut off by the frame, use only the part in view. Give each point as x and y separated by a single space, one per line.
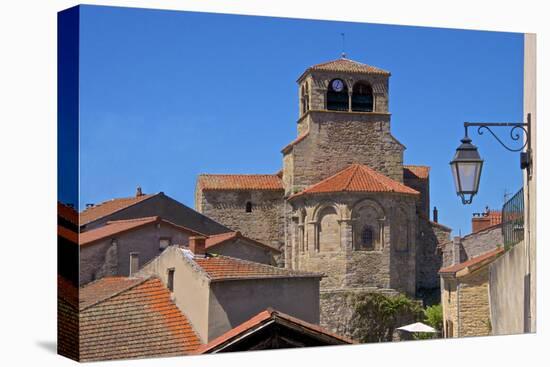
67 234
221 268
261 319
240 182
109 207
411 171
112 228
67 213
347 66
222 238
357 178
291 145
478 260
137 320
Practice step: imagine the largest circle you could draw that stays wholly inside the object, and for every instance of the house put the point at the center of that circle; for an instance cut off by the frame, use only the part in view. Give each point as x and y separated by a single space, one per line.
218 293
271 329
148 205
123 318
120 247
487 235
465 296
344 202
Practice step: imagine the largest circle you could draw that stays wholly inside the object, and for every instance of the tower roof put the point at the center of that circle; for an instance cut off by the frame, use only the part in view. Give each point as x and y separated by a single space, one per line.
357 178
346 66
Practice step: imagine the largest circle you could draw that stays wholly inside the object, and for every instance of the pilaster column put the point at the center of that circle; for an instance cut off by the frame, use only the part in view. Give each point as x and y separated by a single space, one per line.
346 234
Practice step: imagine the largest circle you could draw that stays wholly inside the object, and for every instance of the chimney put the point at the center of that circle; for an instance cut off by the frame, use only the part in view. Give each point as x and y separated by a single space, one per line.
435 214
480 221
197 245
139 192
456 250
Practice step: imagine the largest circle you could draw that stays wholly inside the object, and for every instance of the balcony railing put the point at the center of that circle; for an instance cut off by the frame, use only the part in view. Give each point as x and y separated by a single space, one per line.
512 220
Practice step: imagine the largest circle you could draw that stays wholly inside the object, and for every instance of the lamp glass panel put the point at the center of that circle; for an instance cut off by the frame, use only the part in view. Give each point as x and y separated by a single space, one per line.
468 175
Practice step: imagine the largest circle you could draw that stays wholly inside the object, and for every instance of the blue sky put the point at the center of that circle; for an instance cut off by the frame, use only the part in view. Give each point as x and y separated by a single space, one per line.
165 96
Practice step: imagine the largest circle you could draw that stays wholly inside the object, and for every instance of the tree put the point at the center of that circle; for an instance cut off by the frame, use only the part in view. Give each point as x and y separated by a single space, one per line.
433 316
376 316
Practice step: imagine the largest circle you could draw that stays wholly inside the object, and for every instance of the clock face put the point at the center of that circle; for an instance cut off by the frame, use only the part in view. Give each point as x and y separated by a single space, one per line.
337 85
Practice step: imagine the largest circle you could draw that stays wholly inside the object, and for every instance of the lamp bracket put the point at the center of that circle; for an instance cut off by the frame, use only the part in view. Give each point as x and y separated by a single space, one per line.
514 135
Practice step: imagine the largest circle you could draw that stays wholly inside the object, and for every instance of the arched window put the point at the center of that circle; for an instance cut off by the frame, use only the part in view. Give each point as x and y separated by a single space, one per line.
328 230
305 98
248 208
366 239
361 98
337 96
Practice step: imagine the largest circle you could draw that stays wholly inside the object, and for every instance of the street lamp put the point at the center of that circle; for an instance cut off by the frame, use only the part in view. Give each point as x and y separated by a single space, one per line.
466 167
466 164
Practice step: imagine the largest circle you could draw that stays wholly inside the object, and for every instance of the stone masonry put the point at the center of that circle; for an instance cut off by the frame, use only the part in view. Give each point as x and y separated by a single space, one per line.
344 203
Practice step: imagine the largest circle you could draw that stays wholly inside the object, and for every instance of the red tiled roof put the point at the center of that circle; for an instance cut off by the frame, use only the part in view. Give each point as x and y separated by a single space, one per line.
261 319
357 178
411 171
239 182
474 261
109 207
67 291
67 234
67 213
137 320
219 239
291 145
112 228
346 66
221 268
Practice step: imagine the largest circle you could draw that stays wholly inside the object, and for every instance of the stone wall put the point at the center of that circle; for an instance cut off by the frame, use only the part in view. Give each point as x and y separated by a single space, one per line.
111 256
429 257
337 307
465 303
422 185
474 304
265 223
338 139
388 265
473 245
449 306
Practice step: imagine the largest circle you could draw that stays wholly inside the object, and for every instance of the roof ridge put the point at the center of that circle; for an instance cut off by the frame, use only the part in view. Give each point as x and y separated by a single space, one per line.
354 167
142 219
239 174
388 184
130 286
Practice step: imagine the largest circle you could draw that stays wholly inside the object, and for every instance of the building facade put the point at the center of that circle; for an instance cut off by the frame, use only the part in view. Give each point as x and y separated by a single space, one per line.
344 203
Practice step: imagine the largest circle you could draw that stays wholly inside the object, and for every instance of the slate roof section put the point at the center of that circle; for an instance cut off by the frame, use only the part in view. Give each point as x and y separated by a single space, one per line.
258 321
214 182
357 178
345 65
132 318
222 238
225 268
412 171
109 207
117 227
477 261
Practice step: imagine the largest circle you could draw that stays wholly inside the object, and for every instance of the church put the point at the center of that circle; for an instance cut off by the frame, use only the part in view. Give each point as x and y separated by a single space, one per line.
344 203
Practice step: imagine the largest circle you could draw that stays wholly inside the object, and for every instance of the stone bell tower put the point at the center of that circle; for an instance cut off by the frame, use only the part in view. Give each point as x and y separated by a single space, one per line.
343 119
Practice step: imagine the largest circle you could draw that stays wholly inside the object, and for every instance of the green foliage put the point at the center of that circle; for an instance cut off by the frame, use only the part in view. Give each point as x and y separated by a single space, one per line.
376 316
433 316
